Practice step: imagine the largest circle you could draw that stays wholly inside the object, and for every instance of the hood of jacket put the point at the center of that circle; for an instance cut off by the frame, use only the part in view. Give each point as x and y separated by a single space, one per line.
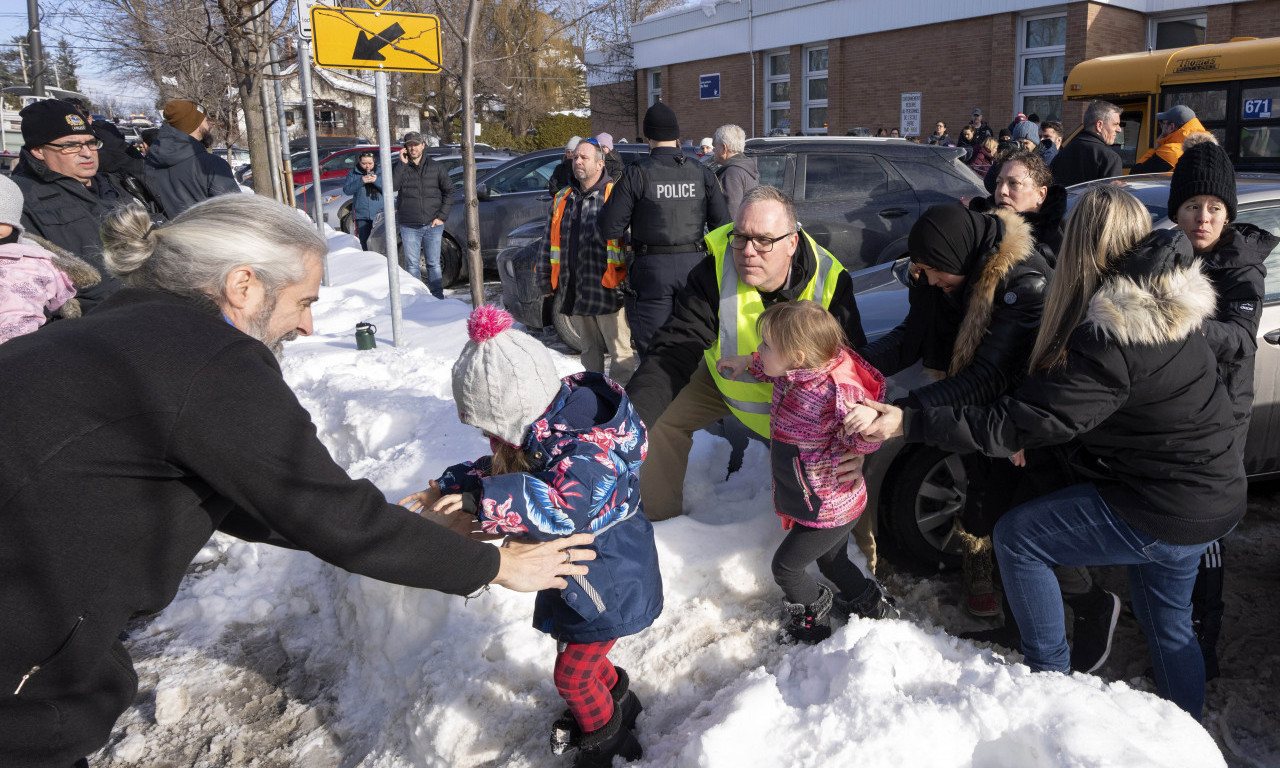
1154 295
1016 246
172 147
743 163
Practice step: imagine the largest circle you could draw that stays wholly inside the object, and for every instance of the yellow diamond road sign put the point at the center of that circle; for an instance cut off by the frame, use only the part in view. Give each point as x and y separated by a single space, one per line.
346 38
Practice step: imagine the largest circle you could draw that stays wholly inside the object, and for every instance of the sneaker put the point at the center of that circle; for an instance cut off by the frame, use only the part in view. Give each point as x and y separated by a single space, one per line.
1094 626
809 623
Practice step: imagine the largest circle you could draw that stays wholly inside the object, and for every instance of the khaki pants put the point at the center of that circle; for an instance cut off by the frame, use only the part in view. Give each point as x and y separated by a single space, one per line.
606 333
697 406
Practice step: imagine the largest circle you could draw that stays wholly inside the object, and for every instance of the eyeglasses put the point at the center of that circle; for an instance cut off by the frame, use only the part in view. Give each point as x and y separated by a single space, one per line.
74 147
763 244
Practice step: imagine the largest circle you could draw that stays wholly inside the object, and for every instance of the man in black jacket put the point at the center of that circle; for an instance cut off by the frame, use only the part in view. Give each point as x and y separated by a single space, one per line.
180 170
171 420
64 194
668 201
677 389
1089 155
424 197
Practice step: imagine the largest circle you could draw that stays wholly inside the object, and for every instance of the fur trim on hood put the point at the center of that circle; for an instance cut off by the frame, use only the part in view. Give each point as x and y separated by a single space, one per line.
1016 245
81 273
1156 295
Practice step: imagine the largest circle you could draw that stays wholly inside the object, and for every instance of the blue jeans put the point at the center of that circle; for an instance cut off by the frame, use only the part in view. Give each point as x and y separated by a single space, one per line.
364 228
1074 527
424 242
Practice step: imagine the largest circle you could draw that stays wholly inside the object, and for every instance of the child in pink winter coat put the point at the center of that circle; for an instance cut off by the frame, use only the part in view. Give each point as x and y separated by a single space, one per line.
816 380
29 282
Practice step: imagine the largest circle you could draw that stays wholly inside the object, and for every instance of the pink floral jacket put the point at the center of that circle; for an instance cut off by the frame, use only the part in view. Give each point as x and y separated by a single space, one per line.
807 440
29 284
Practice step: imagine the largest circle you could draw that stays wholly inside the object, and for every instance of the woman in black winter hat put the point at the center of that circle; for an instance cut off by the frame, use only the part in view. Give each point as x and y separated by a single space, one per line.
1202 202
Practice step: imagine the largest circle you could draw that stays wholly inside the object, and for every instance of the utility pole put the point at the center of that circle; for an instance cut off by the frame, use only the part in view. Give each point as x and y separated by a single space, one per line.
37 52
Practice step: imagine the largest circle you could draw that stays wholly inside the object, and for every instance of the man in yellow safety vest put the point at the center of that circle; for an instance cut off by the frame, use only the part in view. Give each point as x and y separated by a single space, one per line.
759 260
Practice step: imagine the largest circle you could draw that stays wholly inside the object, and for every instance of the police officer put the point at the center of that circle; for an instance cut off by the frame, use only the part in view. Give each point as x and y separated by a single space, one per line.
669 201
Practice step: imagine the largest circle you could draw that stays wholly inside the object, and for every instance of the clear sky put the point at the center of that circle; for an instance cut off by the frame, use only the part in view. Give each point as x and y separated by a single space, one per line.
13 19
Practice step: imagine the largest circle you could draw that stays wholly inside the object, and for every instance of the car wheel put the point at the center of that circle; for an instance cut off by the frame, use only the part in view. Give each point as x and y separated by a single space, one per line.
345 224
568 334
928 497
450 262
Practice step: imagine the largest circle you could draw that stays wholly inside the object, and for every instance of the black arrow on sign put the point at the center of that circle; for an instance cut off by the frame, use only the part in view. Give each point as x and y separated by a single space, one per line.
369 48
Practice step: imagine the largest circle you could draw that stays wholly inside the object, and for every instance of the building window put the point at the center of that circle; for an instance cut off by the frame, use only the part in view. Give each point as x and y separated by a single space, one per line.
815 90
1179 31
1042 56
404 121
655 88
330 119
777 93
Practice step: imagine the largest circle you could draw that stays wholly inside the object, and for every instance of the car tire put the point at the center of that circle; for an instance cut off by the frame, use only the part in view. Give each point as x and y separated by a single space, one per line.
345 224
928 496
564 327
450 262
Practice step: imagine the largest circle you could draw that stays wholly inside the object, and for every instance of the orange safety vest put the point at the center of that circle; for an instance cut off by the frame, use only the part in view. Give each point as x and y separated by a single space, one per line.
615 271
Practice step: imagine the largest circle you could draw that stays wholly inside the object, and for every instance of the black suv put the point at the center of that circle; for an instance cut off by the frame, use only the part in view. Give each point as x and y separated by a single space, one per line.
858 196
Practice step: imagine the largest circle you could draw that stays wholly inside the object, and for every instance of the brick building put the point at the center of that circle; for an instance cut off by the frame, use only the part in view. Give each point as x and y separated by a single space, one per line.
832 66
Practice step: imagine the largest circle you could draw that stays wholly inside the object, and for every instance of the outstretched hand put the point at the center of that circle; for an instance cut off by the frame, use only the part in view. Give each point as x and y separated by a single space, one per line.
530 566
888 424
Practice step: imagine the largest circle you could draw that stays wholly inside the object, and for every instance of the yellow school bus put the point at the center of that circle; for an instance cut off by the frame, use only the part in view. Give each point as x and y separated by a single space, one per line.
1234 89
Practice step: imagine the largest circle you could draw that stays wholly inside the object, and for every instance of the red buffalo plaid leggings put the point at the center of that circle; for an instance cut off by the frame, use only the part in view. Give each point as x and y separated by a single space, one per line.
584 676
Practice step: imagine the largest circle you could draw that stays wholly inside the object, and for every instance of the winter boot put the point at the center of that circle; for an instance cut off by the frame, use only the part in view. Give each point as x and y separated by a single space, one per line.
979 586
809 623
873 603
565 732
597 749
1096 614
1006 635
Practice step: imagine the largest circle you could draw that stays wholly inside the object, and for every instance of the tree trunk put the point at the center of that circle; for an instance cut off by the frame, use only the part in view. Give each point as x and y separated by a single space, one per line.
474 259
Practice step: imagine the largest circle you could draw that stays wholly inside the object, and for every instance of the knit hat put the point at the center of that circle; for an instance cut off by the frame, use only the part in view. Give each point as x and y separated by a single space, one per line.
605 140
1205 169
49 120
1026 130
707 142
660 123
572 143
184 115
1020 117
10 204
504 379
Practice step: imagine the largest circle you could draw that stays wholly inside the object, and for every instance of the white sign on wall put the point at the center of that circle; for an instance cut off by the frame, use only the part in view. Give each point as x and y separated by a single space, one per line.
909 124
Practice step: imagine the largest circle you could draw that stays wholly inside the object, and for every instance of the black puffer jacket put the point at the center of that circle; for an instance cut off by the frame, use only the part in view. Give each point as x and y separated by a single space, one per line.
676 350
1236 269
181 172
981 336
423 192
68 214
166 423
1140 391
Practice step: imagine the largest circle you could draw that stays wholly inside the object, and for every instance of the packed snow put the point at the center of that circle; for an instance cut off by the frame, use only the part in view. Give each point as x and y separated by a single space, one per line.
271 657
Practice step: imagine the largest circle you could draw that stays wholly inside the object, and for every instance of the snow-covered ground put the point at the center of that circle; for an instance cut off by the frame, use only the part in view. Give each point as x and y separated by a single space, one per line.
271 658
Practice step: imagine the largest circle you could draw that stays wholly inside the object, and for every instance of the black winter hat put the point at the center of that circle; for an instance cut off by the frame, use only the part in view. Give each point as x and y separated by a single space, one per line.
947 237
1205 169
49 120
660 123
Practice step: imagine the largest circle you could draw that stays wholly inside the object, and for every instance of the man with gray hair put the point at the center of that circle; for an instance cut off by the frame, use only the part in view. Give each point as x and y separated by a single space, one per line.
1089 155
737 173
171 420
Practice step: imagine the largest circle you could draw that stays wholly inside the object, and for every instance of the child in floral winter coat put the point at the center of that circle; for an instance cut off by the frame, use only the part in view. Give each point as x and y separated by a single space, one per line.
30 283
815 379
566 459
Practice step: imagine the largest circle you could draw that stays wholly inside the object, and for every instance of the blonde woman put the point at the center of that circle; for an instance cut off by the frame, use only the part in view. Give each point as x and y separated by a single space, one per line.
1120 364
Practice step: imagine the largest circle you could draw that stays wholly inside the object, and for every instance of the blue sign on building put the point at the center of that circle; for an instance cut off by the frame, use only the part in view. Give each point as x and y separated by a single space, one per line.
1257 109
709 86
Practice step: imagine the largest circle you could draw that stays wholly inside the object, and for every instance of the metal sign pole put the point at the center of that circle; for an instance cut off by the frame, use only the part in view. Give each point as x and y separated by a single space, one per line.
304 71
389 204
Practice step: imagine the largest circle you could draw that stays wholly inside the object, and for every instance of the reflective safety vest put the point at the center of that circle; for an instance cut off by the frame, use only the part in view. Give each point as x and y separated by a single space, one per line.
740 309
616 269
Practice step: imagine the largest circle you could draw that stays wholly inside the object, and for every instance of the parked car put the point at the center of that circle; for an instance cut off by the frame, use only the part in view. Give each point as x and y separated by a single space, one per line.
859 196
482 166
8 161
918 491
511 195
334 164
234 155
525 286
333 201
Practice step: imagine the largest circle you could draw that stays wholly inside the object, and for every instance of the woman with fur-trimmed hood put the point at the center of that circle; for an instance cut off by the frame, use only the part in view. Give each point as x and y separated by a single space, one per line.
1120 364
977 292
